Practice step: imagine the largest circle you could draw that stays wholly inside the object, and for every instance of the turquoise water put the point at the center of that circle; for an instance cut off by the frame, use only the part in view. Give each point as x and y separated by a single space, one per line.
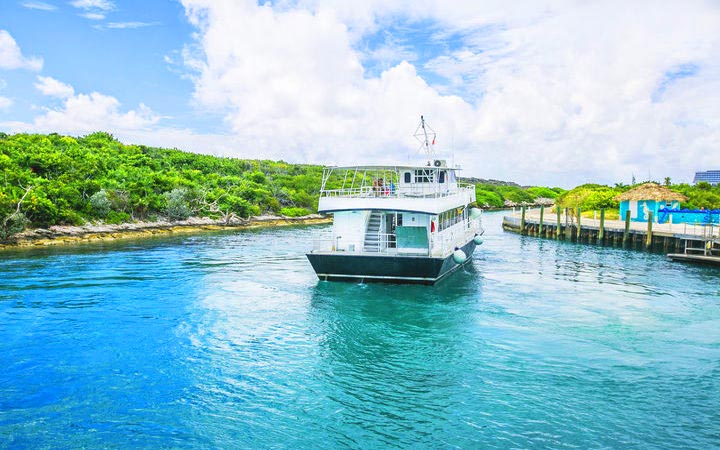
229 341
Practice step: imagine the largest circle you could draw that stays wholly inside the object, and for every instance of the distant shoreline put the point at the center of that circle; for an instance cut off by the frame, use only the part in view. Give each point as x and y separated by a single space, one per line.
71 235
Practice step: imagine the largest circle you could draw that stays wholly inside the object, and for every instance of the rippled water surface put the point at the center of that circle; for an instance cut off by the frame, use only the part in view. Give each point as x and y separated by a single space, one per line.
230 341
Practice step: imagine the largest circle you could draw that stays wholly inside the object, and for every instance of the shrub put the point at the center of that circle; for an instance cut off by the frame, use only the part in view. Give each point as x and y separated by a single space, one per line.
117 217
11 225
294 212
100 203
178 206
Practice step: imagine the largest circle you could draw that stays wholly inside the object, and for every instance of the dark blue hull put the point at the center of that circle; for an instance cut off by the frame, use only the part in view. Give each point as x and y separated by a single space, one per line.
384 268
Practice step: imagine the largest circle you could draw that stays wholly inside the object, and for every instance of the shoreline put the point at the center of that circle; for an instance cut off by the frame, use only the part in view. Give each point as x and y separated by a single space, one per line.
70 235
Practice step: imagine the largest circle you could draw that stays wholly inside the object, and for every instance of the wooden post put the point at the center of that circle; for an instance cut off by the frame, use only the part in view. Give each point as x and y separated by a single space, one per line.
577 232
540 226
568 228
626 234
522 220
648 240
601 231
557 230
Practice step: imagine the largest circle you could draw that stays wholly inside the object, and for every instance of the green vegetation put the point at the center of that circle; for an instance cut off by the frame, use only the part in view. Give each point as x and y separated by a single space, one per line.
53 179
594 197
498 195
702 195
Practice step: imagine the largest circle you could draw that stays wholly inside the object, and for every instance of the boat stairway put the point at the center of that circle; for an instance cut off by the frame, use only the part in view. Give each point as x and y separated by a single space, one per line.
372 233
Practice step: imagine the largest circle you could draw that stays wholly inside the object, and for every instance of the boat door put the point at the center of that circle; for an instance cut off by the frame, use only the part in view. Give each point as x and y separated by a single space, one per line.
391 221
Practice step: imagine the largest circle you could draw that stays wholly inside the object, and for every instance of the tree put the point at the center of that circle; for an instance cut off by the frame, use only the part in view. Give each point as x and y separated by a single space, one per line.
16 221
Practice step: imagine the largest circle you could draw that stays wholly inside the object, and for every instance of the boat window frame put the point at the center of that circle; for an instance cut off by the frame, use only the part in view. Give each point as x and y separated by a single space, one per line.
425 176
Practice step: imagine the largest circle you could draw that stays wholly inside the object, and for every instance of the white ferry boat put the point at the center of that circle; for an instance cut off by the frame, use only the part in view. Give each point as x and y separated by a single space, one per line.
402 223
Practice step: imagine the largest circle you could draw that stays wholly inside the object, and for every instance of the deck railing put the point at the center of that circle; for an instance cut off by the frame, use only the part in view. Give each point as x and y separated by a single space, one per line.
441 243
387 192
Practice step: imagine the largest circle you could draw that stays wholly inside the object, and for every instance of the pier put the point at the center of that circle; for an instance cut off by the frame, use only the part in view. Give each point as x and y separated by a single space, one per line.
683 241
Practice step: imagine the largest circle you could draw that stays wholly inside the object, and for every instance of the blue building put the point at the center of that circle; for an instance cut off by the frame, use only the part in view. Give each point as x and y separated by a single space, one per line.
648 198
710 176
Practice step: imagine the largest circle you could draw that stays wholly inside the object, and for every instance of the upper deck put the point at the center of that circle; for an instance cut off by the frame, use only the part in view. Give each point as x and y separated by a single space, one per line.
428 189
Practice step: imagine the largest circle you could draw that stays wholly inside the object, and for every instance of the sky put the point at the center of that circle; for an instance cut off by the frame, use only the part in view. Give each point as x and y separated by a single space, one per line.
554 93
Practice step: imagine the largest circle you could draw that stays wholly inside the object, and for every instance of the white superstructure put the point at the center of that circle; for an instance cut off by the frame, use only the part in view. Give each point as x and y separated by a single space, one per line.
388 209
401 223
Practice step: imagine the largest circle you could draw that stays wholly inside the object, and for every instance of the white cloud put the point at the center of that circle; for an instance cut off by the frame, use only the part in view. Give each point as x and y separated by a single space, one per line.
5 103
101 5
86 113
12 58
42 6
54 88
127 25
292 83
561 93
93 16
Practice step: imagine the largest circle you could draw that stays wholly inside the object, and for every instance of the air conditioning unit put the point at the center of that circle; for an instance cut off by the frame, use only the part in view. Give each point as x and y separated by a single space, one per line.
440 163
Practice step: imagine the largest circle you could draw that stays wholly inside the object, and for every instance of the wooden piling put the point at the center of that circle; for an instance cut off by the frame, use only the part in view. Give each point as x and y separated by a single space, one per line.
648 240
557 230
577 231
601 231
540 225
522 221
626 234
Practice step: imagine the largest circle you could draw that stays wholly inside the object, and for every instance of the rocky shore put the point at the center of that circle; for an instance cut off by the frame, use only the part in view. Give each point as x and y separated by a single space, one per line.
64 235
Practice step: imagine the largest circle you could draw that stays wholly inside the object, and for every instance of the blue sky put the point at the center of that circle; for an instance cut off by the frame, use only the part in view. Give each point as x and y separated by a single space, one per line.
127 63
559 93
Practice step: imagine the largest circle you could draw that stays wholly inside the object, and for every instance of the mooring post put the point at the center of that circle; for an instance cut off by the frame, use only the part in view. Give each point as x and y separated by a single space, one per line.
557 230
648 240
540 226
568 228
577 235
626 234
522 220
601 231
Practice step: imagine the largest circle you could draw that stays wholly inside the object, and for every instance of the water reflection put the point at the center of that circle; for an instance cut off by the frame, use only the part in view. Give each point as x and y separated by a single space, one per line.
388 351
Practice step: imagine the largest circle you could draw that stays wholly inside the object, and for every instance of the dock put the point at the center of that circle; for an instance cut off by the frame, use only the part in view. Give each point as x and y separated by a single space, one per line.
685 239
698 259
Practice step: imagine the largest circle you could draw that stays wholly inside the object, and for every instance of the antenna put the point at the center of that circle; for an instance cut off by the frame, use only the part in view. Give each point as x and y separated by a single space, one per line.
423 134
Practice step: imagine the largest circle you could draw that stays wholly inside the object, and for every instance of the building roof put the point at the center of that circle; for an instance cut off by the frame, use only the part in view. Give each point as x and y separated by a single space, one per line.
650 191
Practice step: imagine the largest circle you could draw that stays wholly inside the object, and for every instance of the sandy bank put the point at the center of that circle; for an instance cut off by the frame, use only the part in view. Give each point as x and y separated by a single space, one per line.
64 235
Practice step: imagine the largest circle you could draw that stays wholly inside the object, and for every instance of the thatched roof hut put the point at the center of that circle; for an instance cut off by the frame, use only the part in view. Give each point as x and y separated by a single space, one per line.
651 191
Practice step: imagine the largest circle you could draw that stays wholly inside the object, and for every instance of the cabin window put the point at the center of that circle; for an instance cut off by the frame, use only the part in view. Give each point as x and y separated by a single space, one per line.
424 176
450 217
442 177
408 177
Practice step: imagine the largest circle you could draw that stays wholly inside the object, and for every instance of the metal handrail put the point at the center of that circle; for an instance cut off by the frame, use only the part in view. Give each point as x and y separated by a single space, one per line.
383 192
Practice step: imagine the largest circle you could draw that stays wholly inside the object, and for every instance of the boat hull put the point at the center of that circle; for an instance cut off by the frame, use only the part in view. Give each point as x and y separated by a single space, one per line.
336 266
